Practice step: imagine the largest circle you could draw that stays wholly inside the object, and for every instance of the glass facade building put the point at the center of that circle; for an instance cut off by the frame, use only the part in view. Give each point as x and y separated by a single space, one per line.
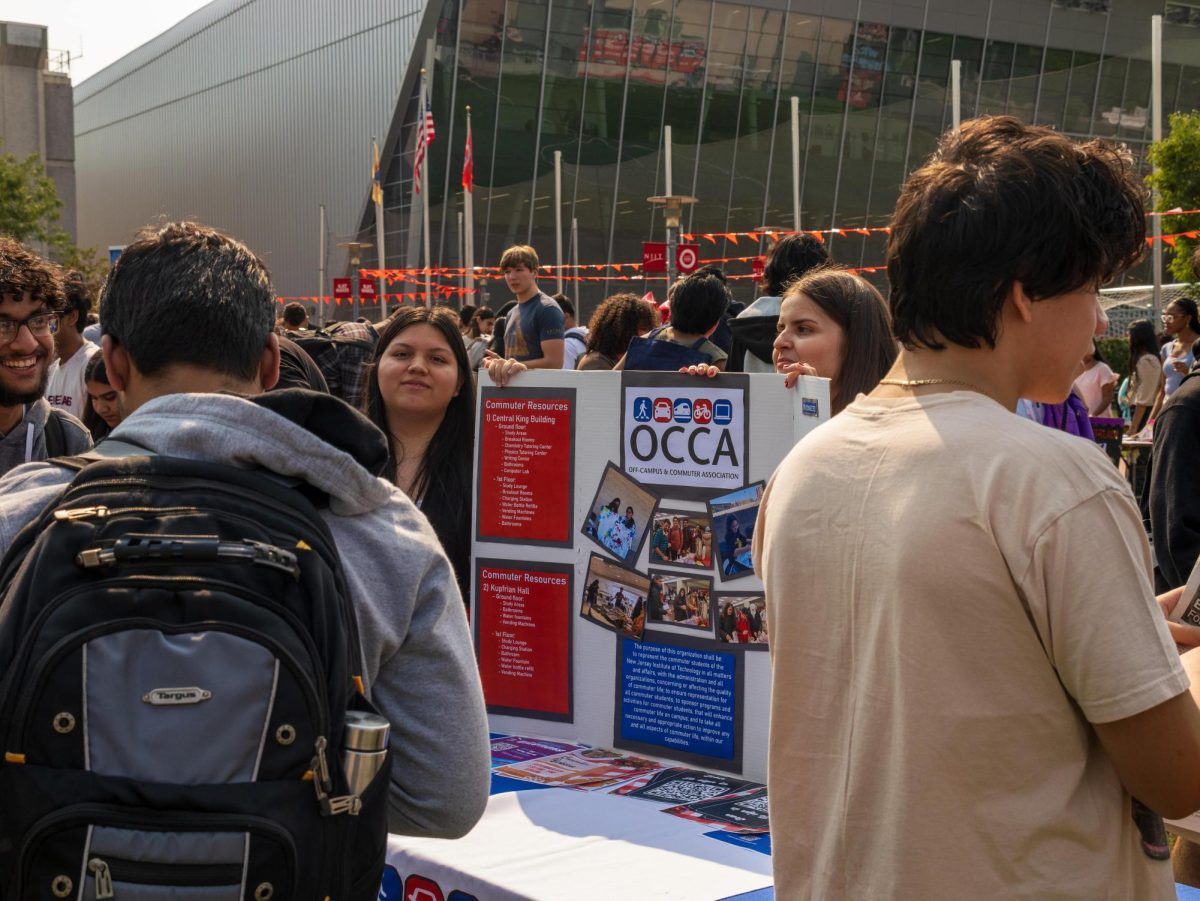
599 80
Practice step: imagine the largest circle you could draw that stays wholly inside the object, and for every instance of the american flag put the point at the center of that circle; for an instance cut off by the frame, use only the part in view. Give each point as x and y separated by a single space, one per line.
425 136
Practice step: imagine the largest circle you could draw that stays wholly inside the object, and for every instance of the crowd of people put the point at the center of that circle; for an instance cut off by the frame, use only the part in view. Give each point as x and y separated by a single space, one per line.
1028 722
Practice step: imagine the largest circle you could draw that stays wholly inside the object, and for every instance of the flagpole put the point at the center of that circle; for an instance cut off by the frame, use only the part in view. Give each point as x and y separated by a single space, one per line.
469 216
425 99
378 195
321 272
558 253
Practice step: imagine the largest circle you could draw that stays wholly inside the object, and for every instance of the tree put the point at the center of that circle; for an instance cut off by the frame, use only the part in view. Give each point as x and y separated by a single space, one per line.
29 204
1177 180
29 211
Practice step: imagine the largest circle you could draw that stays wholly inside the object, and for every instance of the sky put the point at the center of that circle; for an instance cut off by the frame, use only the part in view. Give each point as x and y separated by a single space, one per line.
99 33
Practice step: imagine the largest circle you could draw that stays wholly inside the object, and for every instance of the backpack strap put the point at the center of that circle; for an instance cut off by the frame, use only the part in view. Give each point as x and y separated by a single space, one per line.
106 449
56 435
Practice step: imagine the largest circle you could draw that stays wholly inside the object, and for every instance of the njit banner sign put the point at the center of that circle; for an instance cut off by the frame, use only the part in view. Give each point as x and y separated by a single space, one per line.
654 256
687 258
342 288
682 435
366 290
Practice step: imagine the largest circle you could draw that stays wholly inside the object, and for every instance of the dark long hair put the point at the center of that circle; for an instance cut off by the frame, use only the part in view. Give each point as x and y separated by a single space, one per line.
862 314
443 481
1142 341
94 372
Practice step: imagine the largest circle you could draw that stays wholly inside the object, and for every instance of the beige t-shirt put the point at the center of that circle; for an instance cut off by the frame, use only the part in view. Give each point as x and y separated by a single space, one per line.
954 592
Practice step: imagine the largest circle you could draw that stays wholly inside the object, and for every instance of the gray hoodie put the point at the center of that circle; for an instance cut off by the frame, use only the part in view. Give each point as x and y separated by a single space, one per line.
419 663
27 441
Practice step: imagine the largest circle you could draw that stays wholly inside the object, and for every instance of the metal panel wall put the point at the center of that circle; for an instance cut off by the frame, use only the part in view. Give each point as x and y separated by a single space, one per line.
247 115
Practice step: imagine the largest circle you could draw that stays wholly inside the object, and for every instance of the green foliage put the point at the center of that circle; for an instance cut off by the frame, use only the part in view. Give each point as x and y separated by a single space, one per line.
29 211
29 204
1177 179
1116 352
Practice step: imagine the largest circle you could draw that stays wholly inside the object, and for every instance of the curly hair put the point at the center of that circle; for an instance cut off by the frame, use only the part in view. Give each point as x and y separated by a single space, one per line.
616 322
1002 202
22 270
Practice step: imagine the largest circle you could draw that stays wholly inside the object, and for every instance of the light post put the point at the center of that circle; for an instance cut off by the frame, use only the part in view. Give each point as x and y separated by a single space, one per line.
355 249
672 205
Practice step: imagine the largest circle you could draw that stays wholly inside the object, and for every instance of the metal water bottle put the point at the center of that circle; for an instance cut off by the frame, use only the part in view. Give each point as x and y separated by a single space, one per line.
364 748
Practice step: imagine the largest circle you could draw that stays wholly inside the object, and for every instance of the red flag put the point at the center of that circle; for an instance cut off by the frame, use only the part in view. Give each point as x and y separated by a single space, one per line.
468 179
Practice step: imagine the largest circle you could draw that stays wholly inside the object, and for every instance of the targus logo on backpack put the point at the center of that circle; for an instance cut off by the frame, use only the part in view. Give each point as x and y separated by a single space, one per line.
172 696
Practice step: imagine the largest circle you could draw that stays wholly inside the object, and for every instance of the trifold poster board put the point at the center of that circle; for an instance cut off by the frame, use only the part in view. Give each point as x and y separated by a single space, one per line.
615 601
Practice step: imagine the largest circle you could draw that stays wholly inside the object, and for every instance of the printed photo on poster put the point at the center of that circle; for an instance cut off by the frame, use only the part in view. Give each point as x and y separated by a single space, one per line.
685 437
681 538
620 515
741 619
681 601
734 516
615 597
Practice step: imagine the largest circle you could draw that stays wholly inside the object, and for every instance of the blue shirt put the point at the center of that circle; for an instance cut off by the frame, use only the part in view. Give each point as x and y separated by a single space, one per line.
529 324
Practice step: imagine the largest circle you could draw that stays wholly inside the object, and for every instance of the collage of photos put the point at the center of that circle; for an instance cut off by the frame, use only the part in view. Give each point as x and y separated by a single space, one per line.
733 518
678 600
624 515
742 619
681 538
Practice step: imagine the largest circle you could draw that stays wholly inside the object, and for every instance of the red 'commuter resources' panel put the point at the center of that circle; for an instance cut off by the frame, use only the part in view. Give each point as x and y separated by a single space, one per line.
525 466
524 635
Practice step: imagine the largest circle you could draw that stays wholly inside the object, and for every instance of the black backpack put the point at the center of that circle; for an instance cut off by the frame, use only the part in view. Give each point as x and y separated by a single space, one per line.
176 662
650 354
340 358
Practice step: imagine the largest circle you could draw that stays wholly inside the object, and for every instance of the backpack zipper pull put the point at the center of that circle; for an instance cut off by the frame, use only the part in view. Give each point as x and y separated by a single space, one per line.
104 883
81 513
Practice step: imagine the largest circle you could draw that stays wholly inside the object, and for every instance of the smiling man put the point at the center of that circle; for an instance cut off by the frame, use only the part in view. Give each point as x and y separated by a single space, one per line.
30 288
971 675
534 332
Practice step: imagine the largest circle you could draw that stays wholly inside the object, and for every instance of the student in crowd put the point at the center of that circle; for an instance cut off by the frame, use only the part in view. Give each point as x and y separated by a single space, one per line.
30 289
574 334
420 393
617 321
1028 717
64 382
698 303
295 316
465 316
835 325
1145 374
102 408
533 333
1097 383
478 335
755 327
1182 326
202 400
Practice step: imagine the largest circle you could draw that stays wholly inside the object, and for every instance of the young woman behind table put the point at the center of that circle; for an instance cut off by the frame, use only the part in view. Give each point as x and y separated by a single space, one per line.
420 392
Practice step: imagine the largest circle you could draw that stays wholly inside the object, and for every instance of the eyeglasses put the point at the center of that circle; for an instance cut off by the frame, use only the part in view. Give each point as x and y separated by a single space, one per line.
39 324
1165 316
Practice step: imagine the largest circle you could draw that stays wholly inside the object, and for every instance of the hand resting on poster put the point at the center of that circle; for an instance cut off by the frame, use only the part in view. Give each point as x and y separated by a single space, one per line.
501 369
791 372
